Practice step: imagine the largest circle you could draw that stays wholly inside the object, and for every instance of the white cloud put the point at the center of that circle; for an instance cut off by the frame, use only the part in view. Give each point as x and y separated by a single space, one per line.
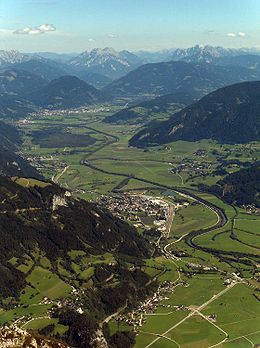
46 27
112 36
41 29
91 40
239 34
231 34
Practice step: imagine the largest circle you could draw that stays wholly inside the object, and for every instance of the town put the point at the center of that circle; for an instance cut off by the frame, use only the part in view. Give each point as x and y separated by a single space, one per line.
70 111
143 211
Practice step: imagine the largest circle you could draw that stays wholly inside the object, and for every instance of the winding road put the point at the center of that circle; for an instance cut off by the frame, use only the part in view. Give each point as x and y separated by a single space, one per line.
189 238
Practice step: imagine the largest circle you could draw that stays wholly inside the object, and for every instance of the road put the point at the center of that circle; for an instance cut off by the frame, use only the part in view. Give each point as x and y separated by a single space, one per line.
194 312
58 176
179 175
189 238
33 319
170 220
111 316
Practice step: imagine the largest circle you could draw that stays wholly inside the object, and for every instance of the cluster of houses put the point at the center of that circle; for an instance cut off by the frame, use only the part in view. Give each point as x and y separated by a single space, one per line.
47 162
194 168
135 207
80 110
201 267
233 279
46 301
138 316
252 209
201 153
73 302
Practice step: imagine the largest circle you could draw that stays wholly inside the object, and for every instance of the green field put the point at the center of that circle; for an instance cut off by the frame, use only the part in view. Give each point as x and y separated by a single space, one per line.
192 217
109 163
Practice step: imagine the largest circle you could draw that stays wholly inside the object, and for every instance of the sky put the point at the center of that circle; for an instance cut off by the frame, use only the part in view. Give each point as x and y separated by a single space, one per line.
79 25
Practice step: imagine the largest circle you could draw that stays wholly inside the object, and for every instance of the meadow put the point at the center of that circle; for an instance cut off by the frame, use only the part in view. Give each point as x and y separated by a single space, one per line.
93 158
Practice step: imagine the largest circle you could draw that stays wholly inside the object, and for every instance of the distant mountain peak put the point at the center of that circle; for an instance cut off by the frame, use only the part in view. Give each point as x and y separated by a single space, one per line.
12 57
106 61
201 53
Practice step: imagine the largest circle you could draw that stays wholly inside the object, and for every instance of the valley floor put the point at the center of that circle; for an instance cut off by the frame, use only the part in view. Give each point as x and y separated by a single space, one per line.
210 253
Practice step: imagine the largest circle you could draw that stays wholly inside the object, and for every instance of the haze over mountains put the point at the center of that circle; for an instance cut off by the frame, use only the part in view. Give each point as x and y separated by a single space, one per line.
195 54
89 271
30 81
170 77
114 64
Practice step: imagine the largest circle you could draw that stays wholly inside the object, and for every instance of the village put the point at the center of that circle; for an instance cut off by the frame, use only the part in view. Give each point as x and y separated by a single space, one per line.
46 162
70 111
191 167
138 316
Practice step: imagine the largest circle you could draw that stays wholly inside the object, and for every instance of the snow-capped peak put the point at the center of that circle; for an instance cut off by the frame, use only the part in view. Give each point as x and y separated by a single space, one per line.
105 61
12 57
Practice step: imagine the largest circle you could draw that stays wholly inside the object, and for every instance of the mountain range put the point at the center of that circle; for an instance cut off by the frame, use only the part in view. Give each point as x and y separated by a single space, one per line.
109 58
23 91
201 54
50 70
151 80
31 81
195 54
220 115
107 62
249 61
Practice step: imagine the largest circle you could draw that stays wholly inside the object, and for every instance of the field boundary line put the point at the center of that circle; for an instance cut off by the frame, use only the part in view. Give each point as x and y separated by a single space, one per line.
205 304
237 338
252 344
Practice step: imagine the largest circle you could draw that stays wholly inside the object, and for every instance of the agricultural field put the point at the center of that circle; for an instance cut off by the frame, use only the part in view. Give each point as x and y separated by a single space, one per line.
92 158
193 216
62 142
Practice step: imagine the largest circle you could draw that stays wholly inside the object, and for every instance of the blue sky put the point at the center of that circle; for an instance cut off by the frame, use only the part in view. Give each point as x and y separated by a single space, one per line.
77 25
